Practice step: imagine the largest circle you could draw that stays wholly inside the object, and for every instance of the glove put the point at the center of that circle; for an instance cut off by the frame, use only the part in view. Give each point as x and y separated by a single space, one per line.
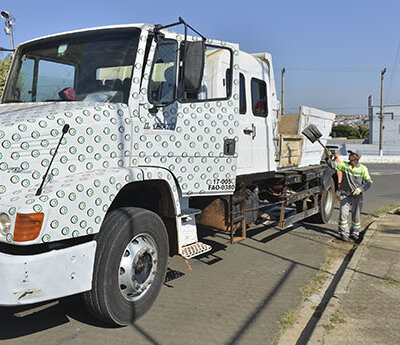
357 191
330 158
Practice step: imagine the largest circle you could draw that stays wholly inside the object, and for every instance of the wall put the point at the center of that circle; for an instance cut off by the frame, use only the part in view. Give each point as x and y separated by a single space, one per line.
391 123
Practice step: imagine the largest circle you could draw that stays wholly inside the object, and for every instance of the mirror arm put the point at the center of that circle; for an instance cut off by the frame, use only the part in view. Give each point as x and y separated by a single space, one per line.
159 27
191 28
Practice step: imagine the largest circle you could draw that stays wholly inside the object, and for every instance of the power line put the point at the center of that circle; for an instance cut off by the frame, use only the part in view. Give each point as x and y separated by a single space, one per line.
336 69
341 69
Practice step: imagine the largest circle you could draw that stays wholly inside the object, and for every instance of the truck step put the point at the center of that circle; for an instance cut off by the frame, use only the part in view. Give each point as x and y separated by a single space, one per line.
195 249
185 212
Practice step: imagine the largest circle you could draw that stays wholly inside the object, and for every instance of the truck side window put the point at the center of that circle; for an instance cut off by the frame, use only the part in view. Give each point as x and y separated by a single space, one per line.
242 95
259 97
163 76
22 90
217 80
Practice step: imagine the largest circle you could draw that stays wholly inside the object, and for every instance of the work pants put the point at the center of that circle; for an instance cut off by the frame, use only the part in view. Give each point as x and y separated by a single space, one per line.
351 204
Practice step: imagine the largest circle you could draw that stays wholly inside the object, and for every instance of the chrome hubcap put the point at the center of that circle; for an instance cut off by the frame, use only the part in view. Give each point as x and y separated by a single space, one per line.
138 267
328 200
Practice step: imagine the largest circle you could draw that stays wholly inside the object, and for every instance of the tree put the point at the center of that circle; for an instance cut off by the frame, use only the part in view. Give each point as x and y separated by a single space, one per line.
343 131
349 132
361 132
5 65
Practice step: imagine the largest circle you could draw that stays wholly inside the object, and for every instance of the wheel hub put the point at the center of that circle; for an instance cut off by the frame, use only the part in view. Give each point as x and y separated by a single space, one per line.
138 267
329 200
142 269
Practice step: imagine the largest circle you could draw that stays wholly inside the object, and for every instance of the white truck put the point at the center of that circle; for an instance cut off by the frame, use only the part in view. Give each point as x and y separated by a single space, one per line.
113 139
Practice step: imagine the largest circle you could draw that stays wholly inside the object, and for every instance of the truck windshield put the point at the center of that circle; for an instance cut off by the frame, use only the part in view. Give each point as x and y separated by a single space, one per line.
94 66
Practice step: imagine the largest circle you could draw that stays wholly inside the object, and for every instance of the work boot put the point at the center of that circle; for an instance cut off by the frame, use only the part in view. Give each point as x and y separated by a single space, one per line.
345 237
355 235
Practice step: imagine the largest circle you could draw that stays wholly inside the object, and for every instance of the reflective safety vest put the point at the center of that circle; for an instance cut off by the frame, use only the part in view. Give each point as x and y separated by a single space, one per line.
353 177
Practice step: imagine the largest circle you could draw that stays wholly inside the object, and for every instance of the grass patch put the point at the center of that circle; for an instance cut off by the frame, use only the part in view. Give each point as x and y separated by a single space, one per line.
336 318
287 320
392 282
314 285
328 326
383 210
320 277
330 257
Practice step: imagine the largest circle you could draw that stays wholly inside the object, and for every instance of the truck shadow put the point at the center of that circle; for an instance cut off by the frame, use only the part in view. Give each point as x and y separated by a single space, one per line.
29 319
217 239
21 321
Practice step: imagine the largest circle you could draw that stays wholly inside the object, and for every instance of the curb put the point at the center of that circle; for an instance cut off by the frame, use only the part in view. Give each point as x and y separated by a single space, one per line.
343 285
344 282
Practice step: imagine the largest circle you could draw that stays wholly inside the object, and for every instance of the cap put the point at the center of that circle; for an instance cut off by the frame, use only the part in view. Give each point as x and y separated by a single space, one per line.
355 152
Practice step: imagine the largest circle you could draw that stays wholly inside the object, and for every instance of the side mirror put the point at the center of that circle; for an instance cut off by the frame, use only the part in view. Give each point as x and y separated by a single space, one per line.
193 66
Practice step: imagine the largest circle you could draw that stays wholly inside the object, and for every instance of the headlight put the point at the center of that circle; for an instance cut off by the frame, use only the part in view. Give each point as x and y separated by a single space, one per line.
5 224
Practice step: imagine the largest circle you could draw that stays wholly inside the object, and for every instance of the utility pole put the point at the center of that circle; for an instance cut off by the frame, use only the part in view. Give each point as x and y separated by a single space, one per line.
381 116
9 22
283 91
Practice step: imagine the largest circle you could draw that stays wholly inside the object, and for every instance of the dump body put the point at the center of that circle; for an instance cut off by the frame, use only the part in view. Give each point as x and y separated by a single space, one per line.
295 149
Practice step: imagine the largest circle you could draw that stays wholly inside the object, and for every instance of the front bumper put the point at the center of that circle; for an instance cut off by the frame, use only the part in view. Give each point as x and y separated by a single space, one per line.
35 278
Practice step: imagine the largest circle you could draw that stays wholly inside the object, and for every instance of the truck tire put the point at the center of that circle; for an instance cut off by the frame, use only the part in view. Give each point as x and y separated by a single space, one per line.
130 265
326 202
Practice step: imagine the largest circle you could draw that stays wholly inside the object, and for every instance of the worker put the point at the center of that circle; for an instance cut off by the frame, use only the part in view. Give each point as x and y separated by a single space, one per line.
355 181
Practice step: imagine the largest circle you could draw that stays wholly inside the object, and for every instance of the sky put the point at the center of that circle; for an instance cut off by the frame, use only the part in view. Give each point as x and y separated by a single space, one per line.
333 51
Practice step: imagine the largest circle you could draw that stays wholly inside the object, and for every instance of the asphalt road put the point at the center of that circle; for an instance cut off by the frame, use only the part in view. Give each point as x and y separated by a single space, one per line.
234 295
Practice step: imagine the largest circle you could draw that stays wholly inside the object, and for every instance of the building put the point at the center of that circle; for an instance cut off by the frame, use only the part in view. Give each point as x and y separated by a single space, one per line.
391 124
391 133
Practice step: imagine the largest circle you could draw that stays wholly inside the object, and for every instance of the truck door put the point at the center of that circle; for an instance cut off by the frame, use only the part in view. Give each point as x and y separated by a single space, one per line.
258 115
254 131
191 137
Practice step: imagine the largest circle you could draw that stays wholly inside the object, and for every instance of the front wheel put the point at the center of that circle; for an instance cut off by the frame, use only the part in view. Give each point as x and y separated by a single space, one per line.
130 265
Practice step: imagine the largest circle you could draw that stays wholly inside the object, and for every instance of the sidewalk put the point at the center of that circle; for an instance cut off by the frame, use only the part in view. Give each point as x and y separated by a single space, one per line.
365 307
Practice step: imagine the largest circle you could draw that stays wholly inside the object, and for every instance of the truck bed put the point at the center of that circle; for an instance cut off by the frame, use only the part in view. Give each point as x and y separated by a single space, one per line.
294 149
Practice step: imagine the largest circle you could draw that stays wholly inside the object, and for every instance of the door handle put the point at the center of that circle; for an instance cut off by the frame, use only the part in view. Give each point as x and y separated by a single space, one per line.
253 130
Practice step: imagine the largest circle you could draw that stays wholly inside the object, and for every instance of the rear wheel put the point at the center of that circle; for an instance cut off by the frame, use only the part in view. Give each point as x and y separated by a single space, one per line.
326 202
130 265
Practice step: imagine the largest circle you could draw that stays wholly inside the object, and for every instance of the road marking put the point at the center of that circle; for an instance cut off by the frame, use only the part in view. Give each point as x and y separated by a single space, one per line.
384 173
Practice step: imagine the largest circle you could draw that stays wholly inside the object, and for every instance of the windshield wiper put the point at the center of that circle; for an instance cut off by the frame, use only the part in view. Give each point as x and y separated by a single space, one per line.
64 130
